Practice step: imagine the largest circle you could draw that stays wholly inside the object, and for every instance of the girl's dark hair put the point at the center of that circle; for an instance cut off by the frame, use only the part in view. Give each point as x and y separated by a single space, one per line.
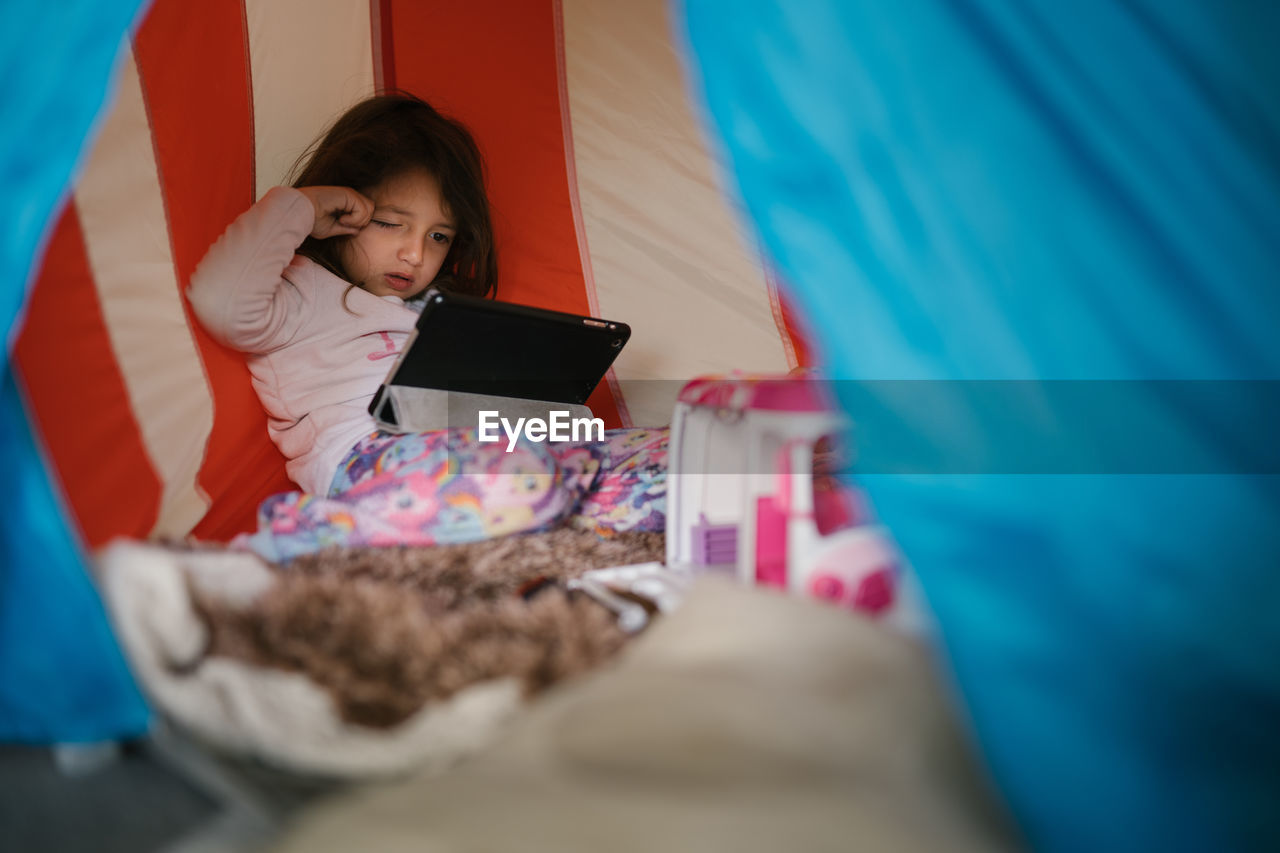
385 136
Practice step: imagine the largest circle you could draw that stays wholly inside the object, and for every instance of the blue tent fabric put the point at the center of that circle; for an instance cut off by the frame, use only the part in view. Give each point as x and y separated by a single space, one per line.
1044 195
62 675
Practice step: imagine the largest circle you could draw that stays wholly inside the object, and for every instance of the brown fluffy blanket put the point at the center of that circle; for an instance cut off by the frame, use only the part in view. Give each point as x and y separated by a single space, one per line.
387 630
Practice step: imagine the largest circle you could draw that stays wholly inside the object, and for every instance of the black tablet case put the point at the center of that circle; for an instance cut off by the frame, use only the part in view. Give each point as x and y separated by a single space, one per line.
467 354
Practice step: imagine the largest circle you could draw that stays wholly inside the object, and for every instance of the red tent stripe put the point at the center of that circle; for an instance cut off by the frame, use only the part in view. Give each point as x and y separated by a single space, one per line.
497 72
77 397
795 340
195 77
384 69
571 175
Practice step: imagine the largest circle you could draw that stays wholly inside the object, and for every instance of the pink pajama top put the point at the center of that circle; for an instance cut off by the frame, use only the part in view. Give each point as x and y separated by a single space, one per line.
318 347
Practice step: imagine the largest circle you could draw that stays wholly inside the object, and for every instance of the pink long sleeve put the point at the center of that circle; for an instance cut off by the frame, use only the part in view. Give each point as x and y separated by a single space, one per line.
239 291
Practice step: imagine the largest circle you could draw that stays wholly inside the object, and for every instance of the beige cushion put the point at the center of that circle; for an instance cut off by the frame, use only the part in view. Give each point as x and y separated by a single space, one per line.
745 721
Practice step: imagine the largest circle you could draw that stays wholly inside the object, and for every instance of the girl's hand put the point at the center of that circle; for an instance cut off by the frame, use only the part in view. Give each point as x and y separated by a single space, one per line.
339 210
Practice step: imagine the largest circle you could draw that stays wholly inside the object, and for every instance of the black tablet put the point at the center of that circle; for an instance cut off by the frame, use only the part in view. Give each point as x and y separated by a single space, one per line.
479 346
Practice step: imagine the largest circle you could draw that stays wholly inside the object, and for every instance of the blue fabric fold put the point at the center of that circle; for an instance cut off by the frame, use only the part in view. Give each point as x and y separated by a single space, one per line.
62 675
976 190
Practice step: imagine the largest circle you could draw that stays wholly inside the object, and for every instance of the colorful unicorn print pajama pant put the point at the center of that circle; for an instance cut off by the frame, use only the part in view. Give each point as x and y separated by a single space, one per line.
446 487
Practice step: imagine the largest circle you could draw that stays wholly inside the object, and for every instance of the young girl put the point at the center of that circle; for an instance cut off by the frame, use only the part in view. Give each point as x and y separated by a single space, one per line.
317 284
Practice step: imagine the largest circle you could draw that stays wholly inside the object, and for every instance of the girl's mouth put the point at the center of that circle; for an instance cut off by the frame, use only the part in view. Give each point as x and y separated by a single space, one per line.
398 282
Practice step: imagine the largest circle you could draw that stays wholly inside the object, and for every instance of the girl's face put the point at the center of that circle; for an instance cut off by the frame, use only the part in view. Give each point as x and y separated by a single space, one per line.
401 249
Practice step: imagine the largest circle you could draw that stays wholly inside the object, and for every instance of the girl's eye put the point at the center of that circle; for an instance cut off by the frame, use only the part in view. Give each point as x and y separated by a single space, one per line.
440 237
381 224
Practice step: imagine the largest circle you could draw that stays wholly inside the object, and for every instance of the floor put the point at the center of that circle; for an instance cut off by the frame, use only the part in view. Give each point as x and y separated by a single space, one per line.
163 794
132 803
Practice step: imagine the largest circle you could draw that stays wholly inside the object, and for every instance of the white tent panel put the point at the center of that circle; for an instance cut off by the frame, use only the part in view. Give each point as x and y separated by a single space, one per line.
668 255
122 215
309 61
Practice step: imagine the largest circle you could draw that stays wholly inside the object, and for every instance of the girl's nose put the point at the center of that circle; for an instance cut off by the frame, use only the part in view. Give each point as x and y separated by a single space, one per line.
411 252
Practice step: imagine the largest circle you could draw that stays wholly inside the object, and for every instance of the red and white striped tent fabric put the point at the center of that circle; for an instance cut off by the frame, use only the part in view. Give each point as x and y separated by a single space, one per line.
605 198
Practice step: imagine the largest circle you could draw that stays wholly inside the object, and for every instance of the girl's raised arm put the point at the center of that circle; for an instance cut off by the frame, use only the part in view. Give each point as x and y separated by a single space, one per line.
339 210
239 292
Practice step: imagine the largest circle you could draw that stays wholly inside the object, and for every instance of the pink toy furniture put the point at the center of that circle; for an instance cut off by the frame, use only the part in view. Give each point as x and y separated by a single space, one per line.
742 499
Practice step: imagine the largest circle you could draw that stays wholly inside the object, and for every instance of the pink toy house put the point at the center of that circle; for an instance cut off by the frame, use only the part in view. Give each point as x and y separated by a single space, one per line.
743 498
